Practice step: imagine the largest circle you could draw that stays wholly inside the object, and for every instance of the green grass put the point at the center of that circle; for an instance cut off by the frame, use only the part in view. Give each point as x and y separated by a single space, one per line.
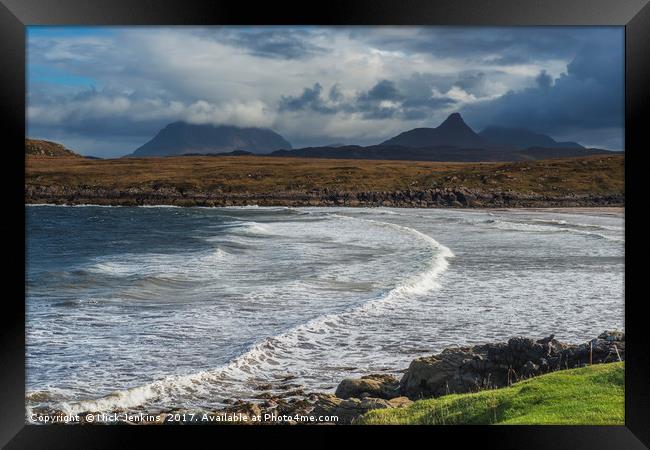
591 395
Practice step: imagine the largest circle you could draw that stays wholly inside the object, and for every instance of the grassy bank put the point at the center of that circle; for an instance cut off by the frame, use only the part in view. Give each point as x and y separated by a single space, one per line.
591 395
253 175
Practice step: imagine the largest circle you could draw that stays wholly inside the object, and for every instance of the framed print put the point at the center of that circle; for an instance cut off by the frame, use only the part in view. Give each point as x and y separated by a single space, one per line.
409 217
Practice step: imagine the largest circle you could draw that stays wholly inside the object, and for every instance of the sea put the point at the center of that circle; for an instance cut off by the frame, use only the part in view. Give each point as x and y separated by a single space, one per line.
151 309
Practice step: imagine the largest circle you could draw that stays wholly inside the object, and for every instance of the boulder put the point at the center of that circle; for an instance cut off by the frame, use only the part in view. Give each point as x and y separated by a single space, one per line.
612 336
347 409
376 385
432 376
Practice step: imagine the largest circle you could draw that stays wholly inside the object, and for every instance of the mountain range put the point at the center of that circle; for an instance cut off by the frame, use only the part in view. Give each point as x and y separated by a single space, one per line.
522 139
452 140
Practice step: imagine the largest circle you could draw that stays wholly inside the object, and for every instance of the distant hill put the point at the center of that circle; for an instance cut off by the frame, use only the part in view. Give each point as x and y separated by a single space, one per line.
453 132
522 138
440 153
452 141
48 148
180 138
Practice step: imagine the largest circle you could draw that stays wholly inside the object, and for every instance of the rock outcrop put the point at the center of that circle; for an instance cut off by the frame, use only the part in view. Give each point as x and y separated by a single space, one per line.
431 198
454 370
468 369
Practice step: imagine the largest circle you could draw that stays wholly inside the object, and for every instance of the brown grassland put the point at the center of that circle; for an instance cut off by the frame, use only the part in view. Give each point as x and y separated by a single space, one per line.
258 174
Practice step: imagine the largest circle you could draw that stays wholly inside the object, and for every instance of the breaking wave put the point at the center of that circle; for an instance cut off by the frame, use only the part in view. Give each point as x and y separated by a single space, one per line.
266 357
559 226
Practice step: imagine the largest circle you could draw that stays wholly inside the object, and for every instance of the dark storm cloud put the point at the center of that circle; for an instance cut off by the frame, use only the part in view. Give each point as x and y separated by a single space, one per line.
470 81
588 96
430 104
382 101
421 85
336 95
384 90
423 109
544 80
310 99
280 43
499 45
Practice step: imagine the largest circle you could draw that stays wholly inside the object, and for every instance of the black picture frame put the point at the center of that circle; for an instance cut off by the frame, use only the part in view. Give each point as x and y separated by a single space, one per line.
15 15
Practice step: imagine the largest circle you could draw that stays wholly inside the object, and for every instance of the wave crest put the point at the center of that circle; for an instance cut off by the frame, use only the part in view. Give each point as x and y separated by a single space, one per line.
263 357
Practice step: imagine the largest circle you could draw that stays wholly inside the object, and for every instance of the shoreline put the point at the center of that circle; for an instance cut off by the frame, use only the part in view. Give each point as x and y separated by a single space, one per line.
434 198
606 210
614 211
455 370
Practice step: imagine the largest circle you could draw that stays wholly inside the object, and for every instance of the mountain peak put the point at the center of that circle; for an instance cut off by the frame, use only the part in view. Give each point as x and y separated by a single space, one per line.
454 117
452 132
454 120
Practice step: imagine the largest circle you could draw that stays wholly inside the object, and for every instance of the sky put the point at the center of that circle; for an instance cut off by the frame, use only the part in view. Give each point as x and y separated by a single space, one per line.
104 91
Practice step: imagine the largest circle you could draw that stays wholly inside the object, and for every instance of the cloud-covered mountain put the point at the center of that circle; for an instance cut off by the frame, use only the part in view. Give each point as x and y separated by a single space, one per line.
522 139
181 138
452 132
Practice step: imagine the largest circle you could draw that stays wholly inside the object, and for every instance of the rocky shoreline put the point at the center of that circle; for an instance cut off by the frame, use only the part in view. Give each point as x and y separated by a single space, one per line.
432 198
454 370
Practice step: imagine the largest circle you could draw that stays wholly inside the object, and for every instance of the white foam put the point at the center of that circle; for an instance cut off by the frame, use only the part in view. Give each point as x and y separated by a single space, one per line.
158 264
577 225
249 228
520 226
115 268
263 357
219 253
426 280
